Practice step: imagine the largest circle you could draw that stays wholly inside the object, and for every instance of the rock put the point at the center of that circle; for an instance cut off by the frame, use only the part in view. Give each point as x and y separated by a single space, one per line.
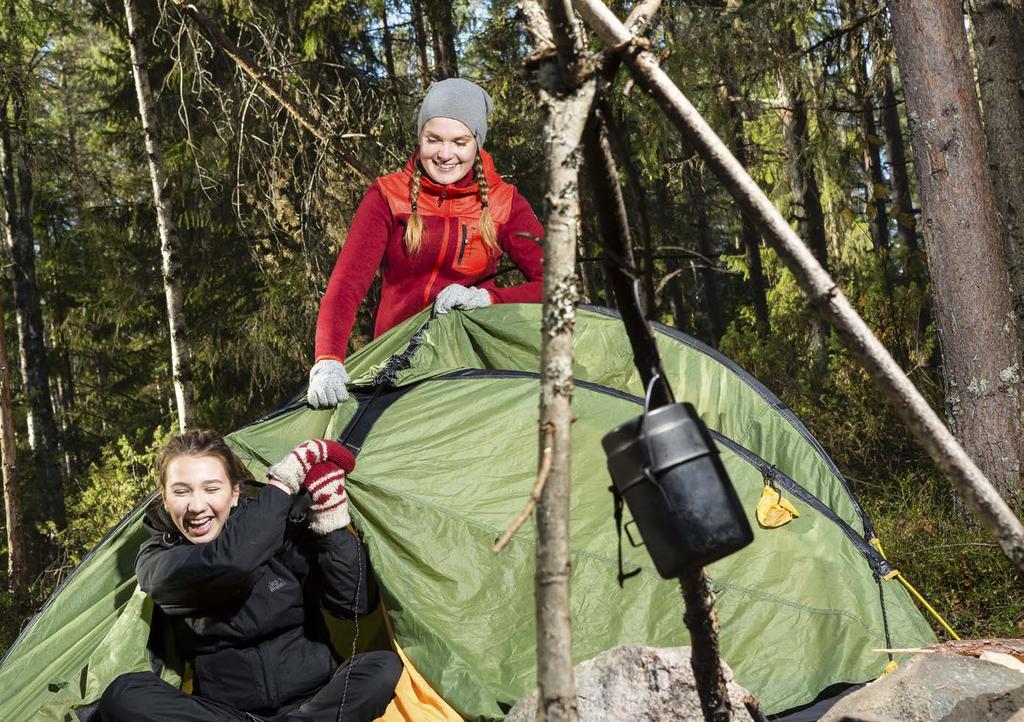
934 687
637 684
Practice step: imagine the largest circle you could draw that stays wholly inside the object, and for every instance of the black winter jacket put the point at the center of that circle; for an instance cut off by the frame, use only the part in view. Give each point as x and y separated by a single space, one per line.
244 608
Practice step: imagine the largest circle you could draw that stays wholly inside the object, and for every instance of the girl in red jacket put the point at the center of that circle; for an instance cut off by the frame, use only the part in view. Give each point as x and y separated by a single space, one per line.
436 230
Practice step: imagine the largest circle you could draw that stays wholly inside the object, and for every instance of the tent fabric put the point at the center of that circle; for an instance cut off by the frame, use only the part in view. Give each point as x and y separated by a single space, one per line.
447 456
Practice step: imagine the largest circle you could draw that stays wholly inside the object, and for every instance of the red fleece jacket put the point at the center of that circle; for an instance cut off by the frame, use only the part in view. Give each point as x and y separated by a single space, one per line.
451 252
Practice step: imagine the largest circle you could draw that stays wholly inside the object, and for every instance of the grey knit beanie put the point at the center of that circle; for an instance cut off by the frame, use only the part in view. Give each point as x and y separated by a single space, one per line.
461 100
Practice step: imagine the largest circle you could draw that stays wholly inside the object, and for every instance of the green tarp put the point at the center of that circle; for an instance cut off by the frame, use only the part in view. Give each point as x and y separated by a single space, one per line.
445 417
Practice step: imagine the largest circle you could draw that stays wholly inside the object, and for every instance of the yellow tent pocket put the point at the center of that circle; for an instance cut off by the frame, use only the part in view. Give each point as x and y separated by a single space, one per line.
772 510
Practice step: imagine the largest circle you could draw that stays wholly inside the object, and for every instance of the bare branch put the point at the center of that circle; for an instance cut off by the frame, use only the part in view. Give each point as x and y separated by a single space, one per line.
531 502
308 119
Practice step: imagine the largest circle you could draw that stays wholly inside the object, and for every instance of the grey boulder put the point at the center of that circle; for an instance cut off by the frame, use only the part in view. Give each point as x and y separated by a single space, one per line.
637 684
937 687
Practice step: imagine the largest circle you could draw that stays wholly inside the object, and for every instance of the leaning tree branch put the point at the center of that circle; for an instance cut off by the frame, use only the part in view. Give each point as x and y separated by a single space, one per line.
310 120
824 295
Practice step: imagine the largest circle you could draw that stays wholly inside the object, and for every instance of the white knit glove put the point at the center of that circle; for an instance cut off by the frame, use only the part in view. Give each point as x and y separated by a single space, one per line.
327 381
292 469
456 296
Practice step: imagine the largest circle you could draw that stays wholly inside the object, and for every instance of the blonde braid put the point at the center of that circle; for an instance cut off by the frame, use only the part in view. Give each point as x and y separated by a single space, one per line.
487 230
414 226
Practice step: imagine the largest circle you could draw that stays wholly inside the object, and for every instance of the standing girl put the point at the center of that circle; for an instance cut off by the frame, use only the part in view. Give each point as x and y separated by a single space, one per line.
436 230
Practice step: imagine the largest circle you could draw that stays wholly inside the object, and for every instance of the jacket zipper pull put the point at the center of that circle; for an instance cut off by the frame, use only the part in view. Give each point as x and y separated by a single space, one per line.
462 249
441 198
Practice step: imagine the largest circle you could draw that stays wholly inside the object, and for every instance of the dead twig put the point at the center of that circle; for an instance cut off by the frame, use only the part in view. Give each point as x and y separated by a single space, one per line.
531 502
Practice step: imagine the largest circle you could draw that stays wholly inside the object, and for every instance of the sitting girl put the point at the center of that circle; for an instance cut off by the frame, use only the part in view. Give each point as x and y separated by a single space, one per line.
241 585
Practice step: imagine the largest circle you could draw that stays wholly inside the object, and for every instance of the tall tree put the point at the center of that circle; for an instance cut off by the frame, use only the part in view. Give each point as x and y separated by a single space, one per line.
566 97
181 354
20 237
895 149
974 306
419 31
17 571
749 236
443 31
803 179
876 191
693 174
999 48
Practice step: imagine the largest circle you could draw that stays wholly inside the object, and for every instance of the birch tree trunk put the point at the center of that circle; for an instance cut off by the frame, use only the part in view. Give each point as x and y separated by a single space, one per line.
566 98
999 48
181 357
973 302
42 429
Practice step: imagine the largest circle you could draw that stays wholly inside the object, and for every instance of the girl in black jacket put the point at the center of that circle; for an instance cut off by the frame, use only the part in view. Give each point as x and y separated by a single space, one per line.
241 586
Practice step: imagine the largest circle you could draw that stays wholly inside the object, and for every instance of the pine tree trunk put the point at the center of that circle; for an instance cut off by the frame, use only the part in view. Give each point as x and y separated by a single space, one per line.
903 200
803 183
389 59
999 48
876 191
898 164
589 270
419 33
42 429
442 25
637 199
748 234
973 303
181 357
17 569
675 266
694 178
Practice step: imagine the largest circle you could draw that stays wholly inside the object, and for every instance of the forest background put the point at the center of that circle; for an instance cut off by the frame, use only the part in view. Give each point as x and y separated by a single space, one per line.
807 95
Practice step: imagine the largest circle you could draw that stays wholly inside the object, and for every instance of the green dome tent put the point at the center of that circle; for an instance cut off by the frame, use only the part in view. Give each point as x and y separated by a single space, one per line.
444 419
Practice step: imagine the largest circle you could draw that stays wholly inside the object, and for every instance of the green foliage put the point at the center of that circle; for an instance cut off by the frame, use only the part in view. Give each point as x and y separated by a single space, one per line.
111 487
956 566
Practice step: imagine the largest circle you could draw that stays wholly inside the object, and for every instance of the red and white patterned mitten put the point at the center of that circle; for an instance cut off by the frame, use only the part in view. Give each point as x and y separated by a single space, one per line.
292 469
326 484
